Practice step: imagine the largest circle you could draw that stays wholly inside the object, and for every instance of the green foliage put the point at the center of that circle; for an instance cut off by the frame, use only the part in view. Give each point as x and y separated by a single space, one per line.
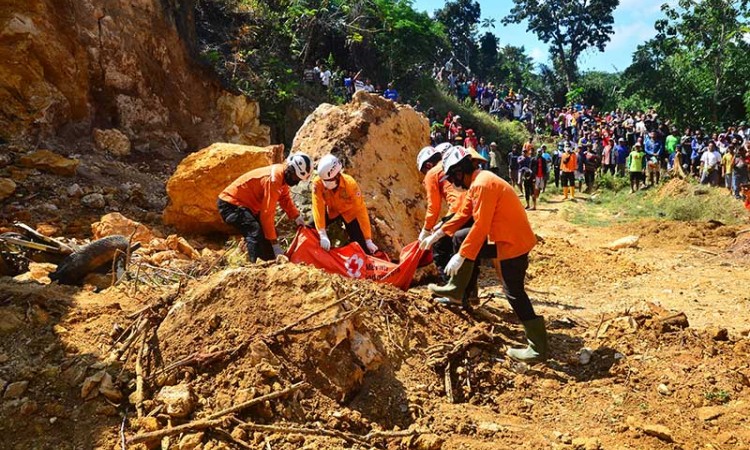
613 183
600 89
719 396
570 27
696 66
461 19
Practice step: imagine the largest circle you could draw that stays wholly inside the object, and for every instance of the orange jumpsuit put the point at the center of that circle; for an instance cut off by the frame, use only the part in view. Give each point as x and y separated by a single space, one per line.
437 191
259 191
346 201
498 215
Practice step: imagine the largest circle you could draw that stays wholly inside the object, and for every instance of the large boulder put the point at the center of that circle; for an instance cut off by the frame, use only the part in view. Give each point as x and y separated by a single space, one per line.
200 178
116 224
378 141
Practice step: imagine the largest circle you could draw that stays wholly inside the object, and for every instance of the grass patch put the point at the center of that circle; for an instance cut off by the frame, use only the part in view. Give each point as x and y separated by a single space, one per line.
613 203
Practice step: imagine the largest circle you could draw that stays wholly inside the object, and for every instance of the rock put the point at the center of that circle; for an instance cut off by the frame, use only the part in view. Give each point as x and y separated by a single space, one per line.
74 190
718 334
10 320
115 223
90 386
586 444
626 242
94 201
106 410
190 441
180 244
663 389
146 423
584 356
178 399
15 390
658 431
28 408
618 325
7 188
364 348
108 389
51 162
378 142
48 229
200 178
113 141
240 119
38 272
428 442
707 413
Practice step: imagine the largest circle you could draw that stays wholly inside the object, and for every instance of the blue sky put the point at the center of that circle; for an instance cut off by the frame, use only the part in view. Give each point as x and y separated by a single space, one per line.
634 24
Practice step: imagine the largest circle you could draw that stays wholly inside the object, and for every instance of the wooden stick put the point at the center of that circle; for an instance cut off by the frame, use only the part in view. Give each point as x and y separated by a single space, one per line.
326 324
449 383
313 314
390 434
703 250
139 373
195 425
257 400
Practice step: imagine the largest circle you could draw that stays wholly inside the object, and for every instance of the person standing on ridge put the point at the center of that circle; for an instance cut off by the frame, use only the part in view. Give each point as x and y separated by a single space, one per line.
336 195
249 203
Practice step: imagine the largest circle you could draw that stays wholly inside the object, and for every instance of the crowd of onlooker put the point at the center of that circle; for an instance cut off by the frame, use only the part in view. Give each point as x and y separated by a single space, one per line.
501 101
646 148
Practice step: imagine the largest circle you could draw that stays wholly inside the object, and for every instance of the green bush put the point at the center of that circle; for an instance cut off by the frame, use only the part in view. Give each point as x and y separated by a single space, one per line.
613 183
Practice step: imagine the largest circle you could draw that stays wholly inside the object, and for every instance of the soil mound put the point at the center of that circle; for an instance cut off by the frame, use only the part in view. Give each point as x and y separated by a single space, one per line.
378 141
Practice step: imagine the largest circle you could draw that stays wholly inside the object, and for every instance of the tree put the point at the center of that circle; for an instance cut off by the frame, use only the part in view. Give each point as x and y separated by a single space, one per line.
461 19
696 66
488 55
569 26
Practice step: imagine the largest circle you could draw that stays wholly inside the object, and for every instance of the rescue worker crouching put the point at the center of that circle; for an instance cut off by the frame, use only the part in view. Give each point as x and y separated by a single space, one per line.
499 217
336 195
429 162
249 203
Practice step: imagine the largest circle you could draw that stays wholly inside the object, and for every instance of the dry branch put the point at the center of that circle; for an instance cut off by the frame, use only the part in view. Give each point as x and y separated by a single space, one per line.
286 328
255 401
349 437
195 425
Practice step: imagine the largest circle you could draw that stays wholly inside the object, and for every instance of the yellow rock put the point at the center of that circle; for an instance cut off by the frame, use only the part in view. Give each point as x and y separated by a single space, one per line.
378 141
115 223
48 161
195 186
7 188
113 141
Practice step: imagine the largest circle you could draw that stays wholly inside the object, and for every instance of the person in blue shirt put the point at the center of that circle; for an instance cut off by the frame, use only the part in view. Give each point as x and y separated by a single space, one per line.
654 150
390 93
548 164
621 154
513 165
695 155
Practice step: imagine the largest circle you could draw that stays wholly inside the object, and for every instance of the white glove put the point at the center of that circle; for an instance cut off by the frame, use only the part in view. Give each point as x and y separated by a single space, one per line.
325 243
423 235
371 246
429 241
455 263
277 250
300 221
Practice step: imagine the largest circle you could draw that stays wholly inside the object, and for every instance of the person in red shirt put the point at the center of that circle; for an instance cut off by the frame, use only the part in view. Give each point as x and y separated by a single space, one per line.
249 203
500 230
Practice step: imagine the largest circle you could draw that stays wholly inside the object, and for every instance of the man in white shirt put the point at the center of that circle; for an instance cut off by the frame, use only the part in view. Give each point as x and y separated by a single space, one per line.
710 161
325 77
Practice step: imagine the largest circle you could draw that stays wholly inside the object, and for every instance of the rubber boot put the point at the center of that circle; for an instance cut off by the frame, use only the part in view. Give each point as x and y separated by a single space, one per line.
536 335
565 191
572 192
456 286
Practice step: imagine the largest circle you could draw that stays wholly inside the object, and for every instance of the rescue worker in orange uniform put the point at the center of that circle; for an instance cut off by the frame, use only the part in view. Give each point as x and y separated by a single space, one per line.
429 162
336 195
568 167
249 203
500 230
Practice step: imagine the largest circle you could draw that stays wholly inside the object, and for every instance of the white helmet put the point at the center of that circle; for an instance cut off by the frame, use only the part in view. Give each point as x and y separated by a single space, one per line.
453 156
424 155
302 165
328 167
442 148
